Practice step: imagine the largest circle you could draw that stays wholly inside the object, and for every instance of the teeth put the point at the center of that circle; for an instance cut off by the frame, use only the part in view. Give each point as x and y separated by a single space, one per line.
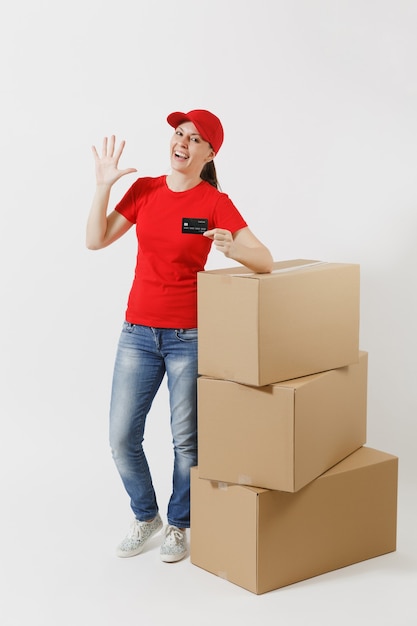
181 154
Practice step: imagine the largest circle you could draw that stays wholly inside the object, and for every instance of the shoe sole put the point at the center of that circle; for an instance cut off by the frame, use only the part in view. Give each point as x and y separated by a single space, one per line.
172 558
124 555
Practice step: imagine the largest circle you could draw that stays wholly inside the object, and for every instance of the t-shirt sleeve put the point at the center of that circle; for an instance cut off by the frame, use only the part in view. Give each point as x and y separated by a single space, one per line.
128 205
227 216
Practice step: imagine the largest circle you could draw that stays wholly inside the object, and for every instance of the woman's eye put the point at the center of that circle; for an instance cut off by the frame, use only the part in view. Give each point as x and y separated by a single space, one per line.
178 132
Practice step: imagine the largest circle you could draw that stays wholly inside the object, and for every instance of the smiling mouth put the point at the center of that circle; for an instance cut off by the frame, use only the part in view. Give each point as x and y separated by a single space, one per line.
180 155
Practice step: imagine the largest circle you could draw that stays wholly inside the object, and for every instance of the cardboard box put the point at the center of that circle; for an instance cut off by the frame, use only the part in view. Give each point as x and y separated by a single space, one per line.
258 329
281 436
263 540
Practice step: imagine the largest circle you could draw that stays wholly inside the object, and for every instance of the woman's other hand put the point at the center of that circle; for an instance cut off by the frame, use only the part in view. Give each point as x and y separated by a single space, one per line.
107 172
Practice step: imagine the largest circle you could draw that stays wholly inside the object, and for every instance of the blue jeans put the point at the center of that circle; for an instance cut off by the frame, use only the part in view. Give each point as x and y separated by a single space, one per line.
144 355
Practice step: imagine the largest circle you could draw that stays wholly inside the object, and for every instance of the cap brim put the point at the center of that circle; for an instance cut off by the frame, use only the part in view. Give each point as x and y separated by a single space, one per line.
174 119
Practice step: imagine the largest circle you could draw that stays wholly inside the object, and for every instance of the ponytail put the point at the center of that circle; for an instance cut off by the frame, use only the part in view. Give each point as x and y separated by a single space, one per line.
209 174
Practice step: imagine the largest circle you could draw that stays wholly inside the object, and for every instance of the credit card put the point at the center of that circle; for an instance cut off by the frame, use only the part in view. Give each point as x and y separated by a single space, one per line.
194 225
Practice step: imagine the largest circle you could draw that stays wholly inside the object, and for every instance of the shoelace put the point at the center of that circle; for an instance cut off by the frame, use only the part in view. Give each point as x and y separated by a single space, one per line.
135 530
175 532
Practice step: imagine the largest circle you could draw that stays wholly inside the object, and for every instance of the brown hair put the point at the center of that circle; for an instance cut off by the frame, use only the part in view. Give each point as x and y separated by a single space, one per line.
209 174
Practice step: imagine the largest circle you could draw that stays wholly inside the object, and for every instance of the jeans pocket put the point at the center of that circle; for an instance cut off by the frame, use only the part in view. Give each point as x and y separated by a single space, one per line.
186 334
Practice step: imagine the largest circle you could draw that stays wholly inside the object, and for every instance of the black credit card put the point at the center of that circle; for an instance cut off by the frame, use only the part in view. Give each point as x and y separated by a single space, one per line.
194 225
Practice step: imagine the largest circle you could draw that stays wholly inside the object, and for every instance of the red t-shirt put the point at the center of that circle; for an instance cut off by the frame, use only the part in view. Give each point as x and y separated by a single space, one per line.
164 289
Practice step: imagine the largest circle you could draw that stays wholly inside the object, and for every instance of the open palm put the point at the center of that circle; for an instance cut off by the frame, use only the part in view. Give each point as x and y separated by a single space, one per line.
107 171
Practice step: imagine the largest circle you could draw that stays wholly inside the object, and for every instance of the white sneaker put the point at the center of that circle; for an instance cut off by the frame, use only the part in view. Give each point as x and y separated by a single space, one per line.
137 536
174 547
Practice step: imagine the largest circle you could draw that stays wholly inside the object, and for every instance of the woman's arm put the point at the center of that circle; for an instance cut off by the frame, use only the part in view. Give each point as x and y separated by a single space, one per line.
242 247
103 229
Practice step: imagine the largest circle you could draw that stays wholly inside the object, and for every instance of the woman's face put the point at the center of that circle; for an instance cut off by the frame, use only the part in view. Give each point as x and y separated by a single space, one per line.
189 151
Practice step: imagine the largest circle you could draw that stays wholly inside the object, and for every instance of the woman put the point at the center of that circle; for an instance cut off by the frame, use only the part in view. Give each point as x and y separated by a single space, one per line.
177 218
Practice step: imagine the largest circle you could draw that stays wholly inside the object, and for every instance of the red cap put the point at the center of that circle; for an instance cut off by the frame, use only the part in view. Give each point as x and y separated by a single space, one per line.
208 125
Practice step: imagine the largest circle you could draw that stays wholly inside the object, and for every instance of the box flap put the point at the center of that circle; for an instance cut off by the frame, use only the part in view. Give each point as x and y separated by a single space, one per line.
278 266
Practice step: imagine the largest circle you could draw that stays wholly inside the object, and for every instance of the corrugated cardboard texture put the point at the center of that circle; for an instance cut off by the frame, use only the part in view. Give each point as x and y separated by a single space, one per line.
259 329
281 436
345 516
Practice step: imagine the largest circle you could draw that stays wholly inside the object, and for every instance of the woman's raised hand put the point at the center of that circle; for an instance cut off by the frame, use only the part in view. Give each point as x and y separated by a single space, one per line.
107 172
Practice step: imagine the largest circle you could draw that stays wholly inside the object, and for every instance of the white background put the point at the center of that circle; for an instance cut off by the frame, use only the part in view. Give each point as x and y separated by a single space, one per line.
319 102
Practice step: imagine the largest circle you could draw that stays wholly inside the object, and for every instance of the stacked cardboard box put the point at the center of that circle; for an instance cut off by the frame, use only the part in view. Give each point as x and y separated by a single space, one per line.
285 488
